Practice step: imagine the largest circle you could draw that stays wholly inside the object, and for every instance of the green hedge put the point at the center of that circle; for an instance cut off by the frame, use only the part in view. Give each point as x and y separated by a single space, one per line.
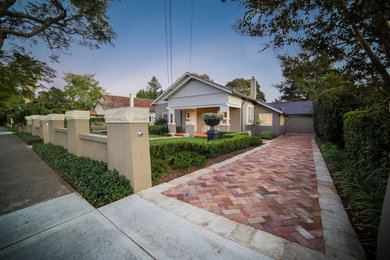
158 129
90 178
209 150
328 111
367 138
227 136
29 138
267 135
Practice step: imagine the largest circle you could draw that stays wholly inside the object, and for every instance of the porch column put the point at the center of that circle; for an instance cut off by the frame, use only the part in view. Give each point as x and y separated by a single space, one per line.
128 145
55 121
44 131
77 123
225 124
28 124
171 121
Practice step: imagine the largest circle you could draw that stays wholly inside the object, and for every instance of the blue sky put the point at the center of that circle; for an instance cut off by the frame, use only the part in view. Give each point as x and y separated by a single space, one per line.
139 51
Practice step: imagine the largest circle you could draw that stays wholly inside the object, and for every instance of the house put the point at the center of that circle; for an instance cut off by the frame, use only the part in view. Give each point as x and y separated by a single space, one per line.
184 102
299 116
107 101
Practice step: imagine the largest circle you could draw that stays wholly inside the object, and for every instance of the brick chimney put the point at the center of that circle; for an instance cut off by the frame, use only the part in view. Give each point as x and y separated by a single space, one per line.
131 100
253 88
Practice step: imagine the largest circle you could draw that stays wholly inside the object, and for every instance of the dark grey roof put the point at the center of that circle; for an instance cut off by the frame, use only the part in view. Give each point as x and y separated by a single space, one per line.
294 107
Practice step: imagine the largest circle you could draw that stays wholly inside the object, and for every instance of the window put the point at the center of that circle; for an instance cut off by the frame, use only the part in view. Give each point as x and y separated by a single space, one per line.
188 116
250 114
165 116
265 119
281 119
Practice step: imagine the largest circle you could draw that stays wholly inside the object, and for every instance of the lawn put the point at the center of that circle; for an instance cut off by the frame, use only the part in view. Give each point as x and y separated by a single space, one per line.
181 139
155 136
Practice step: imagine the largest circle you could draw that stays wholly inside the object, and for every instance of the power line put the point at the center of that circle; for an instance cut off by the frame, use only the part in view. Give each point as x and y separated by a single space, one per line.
192 11
170 32
166 41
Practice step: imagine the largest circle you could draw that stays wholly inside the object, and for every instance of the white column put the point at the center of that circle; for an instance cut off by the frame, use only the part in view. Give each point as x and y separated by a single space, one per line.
171 121
225 126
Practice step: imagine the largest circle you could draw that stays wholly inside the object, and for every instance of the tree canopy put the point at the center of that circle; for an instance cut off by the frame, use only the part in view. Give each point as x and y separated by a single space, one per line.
58 23
82 91
244 86
355 34
152 91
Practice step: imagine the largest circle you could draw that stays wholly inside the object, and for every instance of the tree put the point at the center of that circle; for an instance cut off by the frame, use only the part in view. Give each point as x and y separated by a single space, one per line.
82 91
203 76
58 23
20 75
354 33
244 86
153 90
54 99
306 77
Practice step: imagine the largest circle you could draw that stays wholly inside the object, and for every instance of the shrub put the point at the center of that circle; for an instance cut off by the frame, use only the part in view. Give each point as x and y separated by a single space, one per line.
267 135
366 137
209 150
11 129
161 121
90 178
158 129
185 159
179 129
29 138
226 136
328 111
159 168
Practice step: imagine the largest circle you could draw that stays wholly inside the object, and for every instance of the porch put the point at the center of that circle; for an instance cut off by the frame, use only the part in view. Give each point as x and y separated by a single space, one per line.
191 120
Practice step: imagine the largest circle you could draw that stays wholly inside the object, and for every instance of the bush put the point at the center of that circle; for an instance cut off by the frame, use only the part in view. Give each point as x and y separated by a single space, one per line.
227 136
29 138
363 192
179 129
209 150
267 135
158 130
366 137
159 168
221 134
161 121
90 178
185 159
328 111
11 129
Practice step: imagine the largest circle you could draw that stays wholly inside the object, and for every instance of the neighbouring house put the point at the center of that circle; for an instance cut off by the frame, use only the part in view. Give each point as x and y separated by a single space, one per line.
184 102
299 116
107 101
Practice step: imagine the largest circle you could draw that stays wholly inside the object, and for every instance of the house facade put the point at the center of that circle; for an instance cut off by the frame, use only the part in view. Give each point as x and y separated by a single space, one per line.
107 101
184 102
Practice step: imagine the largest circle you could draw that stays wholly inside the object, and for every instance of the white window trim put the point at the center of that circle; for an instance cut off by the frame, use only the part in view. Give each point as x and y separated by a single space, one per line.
266 115
248 116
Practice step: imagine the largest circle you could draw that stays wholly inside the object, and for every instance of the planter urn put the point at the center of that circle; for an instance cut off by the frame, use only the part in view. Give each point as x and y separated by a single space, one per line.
212 120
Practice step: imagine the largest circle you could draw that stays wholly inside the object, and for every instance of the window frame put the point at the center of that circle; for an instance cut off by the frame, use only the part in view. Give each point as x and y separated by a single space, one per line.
281 118
250 115
265 117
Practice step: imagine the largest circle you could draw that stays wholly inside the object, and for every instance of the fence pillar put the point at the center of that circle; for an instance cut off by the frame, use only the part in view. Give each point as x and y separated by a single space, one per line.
35 125
77 123
55 121
190 129
44 129
128 145
28 124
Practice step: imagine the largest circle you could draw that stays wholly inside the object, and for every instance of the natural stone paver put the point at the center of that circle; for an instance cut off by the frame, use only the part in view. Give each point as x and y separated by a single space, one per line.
273 189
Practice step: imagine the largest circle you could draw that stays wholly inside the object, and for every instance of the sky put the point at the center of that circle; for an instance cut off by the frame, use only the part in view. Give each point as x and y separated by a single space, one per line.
140 50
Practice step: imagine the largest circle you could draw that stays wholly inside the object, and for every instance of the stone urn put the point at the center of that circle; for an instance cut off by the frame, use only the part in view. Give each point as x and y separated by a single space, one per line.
212 120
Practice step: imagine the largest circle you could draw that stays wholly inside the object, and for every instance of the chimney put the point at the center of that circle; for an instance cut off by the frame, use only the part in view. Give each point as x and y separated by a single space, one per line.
131 100
253 87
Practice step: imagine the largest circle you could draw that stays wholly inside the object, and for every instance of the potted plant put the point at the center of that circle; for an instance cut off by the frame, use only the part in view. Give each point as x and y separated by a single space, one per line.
212 120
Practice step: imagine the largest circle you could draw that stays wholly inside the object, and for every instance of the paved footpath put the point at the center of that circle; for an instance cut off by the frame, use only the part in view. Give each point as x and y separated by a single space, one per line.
158 223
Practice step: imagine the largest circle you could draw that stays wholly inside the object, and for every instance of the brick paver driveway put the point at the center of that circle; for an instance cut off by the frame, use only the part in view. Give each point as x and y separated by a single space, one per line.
273 189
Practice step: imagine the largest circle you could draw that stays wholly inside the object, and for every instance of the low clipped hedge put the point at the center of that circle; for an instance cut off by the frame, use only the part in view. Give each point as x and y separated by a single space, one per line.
227 136
267 135
90 178
29 138
366 138
211 149
158 129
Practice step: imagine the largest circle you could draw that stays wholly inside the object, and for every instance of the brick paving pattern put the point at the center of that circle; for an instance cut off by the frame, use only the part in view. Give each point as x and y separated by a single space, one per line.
273 189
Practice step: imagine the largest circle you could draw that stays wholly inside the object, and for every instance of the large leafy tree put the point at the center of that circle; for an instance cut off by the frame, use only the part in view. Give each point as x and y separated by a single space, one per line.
152 91
54 99
356 34
82 91
244 85
58 23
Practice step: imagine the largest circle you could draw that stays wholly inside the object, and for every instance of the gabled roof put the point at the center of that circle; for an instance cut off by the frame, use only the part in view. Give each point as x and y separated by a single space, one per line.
188 76
110 101
294 107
